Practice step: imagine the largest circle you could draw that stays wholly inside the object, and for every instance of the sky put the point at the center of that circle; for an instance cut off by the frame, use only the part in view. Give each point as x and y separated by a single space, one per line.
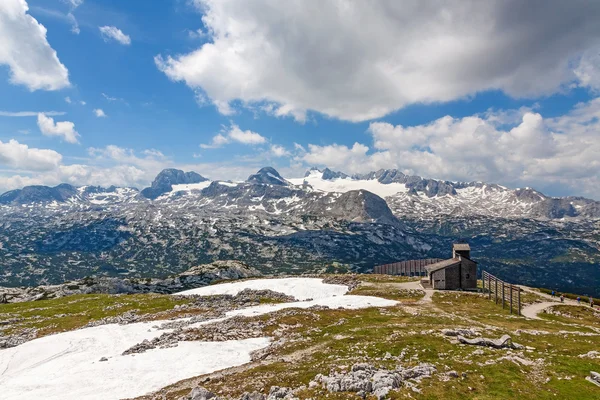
110 92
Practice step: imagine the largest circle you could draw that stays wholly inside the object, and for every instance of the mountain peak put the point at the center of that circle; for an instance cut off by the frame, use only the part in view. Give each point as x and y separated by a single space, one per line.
267 176
164 181
326 174
39 194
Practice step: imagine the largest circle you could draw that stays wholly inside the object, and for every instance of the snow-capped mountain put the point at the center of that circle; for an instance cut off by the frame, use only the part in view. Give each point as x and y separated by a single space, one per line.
325 220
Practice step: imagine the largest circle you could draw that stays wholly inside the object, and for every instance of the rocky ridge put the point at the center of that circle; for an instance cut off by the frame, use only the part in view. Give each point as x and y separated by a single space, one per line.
194 277
326 221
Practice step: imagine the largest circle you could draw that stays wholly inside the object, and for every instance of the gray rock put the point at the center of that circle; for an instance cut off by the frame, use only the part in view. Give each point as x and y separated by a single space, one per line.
365 379
277 392
201 393
504 342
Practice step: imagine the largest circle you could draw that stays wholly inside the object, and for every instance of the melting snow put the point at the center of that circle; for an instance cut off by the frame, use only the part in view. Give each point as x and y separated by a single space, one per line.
68 366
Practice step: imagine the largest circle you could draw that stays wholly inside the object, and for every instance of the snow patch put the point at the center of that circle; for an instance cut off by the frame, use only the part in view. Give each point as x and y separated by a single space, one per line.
68 366
190 186
347 184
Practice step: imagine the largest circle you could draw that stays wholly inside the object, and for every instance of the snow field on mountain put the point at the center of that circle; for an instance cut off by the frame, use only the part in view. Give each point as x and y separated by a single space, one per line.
342 185
68 366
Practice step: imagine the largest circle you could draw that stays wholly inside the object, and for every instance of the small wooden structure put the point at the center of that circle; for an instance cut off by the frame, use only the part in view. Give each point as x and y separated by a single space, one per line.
458 272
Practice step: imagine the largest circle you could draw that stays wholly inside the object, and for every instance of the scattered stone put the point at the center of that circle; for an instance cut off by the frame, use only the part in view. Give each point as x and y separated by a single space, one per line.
103 359
590 354
18 338
594 378
365 379
276 393
201 393
460 332
504 342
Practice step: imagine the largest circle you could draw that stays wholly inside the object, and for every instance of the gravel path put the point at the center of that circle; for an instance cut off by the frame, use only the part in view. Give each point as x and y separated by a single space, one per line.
532 310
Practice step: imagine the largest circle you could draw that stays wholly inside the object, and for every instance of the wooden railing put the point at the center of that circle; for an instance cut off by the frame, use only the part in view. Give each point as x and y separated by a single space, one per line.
505 292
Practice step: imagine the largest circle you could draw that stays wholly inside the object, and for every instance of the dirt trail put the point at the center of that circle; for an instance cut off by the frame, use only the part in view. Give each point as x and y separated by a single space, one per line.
532 310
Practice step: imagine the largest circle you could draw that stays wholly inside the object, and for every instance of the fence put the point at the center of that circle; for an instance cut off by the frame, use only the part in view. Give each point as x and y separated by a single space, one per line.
492 284
406 268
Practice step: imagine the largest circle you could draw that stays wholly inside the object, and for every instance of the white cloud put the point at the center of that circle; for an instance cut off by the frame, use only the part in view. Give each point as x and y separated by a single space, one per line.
588 70
74 24
29 113
412 52
111 32
74 3
547 153
83 103
26 51
68 99
112 99
109 98
64 129
99 113
235 134
279 151
20 156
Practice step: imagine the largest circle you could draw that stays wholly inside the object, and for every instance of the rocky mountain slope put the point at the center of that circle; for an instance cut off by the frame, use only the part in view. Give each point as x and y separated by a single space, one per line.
326 221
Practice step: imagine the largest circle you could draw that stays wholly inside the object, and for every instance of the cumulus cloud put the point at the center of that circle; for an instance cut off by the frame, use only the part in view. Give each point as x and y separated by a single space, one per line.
111 32
105 166
64 129
99 113
358 60
279 151
20 156
535 151
234 134
26 51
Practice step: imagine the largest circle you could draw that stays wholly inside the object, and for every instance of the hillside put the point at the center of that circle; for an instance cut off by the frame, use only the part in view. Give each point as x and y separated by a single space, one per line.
334 336
326 221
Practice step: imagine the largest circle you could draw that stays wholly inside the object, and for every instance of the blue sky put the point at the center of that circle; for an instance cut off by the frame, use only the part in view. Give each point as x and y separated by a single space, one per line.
468 92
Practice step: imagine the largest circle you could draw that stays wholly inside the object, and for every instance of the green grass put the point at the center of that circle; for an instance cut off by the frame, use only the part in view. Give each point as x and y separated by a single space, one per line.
72 312
574 315
572 296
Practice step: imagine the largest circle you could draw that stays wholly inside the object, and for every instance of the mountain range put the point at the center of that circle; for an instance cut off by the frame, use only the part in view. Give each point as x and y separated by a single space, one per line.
325 221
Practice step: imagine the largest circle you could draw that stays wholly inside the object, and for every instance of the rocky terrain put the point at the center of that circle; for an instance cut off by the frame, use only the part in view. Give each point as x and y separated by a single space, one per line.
421 345
325 222
194 277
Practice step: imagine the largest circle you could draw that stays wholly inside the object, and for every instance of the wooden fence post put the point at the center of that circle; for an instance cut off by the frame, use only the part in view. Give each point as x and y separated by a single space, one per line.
483 281
503 295
519 299
496 291
489 287
511 303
